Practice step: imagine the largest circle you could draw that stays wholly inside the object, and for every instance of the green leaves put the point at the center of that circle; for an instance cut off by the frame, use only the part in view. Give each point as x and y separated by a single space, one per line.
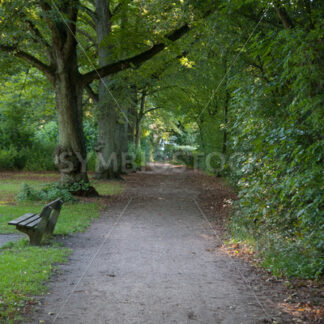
278 120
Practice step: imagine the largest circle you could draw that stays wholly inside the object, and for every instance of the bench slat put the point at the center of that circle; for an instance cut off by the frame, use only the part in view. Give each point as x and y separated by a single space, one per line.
29 220
21 219
34 223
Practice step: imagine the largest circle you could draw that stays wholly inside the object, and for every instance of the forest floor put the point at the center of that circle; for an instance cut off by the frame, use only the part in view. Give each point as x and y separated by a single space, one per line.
156 256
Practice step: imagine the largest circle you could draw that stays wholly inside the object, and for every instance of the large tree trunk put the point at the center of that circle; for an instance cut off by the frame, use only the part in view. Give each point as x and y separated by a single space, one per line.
132 115
112 125
108 156
139 118
225 122
70 156
138 134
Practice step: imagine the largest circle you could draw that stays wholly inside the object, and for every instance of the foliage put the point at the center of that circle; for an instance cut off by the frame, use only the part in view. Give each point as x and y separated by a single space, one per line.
10 159
90 133
279 138
52 191
39 158
47 193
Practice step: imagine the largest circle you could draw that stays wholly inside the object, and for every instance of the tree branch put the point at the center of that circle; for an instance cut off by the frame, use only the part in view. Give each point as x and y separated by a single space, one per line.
30 59
46 8
283 15
37 33
87 21
90 13
88 36
116 10
151 109
94 96
71 31
135 61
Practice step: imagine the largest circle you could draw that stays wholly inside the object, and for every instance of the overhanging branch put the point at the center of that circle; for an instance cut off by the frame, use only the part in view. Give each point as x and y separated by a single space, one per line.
134 61
151 109
29 59
38 36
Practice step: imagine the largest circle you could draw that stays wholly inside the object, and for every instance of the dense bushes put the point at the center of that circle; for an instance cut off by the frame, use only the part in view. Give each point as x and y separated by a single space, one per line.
10 159
22 148
49 192
278 128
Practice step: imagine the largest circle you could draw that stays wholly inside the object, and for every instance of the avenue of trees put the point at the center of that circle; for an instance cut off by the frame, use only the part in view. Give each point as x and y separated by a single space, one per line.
241 78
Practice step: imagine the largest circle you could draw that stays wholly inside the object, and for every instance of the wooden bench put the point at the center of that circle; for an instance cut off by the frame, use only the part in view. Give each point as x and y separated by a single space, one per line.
37 225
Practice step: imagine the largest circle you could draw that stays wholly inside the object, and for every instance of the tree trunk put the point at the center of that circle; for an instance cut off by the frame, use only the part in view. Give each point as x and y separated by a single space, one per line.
226 103
70 155
132 123
107 156
225 122
112 123
138 134
107 115
139 119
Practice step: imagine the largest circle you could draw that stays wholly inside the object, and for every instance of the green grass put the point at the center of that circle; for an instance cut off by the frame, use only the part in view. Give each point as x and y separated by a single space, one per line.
36 174
25 269
10 188
76 217
23 272
73 218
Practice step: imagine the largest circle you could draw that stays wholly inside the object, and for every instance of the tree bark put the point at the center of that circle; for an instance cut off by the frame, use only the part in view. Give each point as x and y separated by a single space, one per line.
139 117
225 122
283 15
70 155
109 129
226 103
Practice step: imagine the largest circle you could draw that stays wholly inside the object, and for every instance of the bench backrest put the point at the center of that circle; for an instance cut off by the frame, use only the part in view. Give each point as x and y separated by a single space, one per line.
49 216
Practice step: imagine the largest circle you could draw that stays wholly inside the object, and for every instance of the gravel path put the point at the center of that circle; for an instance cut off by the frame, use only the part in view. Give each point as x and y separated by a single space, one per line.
150 258
6 238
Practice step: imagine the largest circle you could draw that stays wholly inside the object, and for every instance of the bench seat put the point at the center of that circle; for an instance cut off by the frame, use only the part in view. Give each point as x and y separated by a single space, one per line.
38 225
25 219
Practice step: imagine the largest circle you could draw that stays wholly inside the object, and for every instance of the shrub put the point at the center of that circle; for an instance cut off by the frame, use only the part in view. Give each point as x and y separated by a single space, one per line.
48 193
92 161
7 159
40 157
11 159
280 138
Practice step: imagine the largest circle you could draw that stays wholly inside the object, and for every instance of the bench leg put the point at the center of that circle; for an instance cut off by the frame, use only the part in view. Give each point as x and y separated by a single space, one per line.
50 227
35 237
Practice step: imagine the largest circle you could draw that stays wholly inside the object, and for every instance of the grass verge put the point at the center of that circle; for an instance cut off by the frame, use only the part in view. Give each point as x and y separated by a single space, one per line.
25 269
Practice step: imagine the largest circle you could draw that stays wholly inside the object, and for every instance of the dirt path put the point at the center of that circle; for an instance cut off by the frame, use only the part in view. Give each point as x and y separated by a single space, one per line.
152 258
6 238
